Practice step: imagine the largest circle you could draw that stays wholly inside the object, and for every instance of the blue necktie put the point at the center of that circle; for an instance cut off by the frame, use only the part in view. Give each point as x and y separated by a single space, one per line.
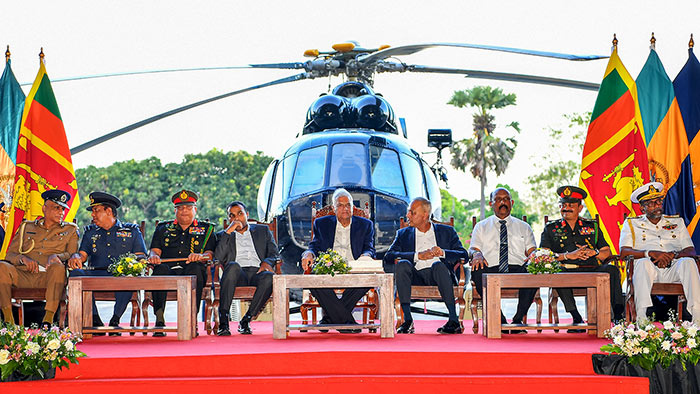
503 252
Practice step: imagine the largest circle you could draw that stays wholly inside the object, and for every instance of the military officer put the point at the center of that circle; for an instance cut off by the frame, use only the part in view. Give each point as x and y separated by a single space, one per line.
662 249
185 238
579 244
104 241
36 254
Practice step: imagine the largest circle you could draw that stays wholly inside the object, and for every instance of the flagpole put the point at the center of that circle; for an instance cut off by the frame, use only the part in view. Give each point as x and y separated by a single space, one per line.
7 54
653 42
614 42
691 44
41 56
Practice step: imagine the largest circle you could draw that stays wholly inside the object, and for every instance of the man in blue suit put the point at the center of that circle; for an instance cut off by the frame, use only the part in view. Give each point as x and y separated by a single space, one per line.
352 237
427 253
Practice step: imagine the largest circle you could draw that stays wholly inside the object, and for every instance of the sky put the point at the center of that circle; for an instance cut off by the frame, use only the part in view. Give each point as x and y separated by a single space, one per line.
97 37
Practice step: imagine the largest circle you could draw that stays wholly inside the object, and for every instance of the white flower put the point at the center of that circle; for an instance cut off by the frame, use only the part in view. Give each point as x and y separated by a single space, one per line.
676 335
668 324
4 357
548 266
642 334
692 331
646 350
666 345
53 344
691 343
68 345
33 347
618 341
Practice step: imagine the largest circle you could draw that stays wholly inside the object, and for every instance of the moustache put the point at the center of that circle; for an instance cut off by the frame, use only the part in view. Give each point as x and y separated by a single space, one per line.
567 211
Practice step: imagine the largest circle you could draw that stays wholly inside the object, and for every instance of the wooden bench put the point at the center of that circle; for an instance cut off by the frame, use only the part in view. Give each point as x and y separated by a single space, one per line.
80 290
281 284
598 299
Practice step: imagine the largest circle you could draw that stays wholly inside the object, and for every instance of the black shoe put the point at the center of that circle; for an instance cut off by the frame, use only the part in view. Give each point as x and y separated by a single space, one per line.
244 327
114 323
517 320
451 327
576 330
324 320
159 333
97 322
223 330
406 328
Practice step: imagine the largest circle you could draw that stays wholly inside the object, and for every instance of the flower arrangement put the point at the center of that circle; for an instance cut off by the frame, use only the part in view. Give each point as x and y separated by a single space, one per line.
542 261
649 344
128 265
330 262
33 352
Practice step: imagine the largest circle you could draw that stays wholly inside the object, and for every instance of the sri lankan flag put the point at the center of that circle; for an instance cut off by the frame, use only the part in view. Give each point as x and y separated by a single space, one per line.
43 157
667 143
614 159
11 106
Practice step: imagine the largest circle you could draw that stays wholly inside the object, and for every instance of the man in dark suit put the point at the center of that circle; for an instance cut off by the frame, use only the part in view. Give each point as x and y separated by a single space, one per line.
249 254
427 253
352 237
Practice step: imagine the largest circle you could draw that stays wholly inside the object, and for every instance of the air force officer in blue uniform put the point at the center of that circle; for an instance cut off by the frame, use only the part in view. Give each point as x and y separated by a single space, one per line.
352 237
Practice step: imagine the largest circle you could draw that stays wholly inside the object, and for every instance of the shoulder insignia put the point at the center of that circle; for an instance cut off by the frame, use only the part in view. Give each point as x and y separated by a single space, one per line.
90 226
672 216
70 224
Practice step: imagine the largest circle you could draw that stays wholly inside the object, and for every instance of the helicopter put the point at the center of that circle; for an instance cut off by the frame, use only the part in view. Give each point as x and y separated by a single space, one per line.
351 138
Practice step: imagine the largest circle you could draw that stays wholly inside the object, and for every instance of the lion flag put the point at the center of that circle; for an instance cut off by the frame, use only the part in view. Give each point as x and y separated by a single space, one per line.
614 159
11 105
43 157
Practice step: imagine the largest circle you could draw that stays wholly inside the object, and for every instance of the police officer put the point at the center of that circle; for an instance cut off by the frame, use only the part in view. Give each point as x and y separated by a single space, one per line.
104 241
579 245
36 254
185 238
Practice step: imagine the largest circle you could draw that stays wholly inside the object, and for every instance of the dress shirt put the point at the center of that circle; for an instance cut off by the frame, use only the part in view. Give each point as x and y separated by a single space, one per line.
246 255
486 238
341 242
668 235
424 241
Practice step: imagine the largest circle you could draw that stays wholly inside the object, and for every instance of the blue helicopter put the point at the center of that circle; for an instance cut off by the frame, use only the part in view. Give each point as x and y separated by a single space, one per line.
351 139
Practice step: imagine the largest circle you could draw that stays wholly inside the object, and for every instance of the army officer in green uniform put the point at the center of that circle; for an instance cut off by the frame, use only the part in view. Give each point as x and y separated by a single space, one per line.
579 244
184 238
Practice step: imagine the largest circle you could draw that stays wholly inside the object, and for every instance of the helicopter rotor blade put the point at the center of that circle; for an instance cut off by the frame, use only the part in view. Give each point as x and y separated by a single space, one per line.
129 73
285 66
411 49
511 77
152 119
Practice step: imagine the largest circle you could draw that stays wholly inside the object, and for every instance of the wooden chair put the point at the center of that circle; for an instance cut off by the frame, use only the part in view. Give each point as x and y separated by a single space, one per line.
477 304
368 304
36 294
673 289
426 293
212 289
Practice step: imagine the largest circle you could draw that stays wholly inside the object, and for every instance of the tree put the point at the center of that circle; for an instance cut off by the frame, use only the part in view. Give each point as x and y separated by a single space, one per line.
561 165
484 151
145 187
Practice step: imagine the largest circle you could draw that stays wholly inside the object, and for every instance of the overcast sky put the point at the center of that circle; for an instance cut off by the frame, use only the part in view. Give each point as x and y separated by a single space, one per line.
95 37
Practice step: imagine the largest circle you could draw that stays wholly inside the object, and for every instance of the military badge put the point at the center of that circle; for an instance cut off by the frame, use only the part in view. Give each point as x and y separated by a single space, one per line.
123 234
197 230
669 226
587 231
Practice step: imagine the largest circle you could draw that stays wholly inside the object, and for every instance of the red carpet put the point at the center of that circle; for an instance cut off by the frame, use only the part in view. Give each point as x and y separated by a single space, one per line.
336 363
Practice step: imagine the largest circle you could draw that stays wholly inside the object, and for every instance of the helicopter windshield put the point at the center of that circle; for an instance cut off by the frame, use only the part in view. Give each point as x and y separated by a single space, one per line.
313 162
348 165
386 171
412 171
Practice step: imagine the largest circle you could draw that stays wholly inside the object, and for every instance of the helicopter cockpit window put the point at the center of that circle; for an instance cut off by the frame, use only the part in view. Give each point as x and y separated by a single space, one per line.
348 165
386 170
414 176
309 171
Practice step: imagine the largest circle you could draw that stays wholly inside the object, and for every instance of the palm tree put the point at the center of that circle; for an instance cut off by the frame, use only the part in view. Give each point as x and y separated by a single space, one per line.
483 151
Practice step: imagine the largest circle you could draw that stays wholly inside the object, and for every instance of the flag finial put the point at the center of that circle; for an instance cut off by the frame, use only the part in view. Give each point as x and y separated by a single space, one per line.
7 54
653 41
614 42
41 55
691 44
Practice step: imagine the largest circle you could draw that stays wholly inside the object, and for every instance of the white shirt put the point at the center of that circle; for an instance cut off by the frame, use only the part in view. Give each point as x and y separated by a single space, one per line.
668 235
424 241
341 242
487 238
246 256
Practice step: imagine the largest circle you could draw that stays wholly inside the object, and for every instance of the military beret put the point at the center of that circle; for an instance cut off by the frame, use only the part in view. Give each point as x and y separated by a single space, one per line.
570 193
649 191
102 198
58 196
185 197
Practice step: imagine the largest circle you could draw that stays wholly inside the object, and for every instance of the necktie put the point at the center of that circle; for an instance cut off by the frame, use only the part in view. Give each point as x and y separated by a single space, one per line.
503 252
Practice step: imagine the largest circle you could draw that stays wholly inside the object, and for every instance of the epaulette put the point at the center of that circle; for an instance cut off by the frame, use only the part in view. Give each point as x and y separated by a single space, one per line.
672 216
552 222
635 217
89 227
130 225
165 223
69 224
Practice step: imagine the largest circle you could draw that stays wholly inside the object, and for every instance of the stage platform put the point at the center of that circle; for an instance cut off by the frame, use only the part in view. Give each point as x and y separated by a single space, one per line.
315 362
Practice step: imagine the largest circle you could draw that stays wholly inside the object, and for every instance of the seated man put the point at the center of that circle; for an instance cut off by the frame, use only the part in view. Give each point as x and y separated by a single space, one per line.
248 253
578 242
36 254
662 249
183 238
104 241
352 237
500 244
427 252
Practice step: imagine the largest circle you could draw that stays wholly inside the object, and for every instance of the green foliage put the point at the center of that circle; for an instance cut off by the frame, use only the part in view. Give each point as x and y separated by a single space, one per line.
145 187
462 211
560 165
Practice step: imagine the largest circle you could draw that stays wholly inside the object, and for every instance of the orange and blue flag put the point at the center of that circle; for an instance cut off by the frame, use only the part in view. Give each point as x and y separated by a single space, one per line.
43 157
